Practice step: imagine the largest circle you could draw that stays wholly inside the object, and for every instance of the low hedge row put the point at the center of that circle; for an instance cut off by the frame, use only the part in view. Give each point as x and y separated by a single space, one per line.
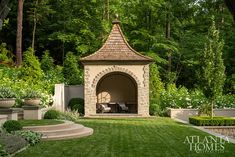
216 121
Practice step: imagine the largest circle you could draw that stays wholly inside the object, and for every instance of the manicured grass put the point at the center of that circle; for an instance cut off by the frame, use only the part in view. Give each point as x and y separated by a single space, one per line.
40 122
136 137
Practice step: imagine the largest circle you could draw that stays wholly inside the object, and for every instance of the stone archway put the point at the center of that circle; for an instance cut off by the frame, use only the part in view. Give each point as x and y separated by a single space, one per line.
92 81
117 88
114 69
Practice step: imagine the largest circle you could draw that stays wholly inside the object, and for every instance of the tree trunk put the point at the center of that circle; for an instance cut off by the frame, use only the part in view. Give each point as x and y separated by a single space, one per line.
34 25
168 26
212 109
19 33
168 35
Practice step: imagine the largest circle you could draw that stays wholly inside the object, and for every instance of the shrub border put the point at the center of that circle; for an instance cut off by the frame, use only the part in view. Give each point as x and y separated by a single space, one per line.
216 121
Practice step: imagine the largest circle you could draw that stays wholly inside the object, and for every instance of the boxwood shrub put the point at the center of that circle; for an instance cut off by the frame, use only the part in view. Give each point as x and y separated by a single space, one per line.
52 114
12 125
77 104
216 121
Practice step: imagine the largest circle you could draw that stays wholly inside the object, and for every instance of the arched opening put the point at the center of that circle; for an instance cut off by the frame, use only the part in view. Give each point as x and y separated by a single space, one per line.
116 93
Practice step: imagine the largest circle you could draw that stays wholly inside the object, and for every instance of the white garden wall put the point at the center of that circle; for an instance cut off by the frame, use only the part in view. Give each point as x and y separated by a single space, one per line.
64 93
184 114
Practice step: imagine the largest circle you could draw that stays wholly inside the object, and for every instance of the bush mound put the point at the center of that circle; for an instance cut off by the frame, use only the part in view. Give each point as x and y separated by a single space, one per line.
52 114
12 125
30 136
77 104
216 121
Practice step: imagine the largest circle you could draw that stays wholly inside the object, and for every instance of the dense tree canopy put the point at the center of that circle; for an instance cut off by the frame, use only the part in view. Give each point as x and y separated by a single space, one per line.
172 32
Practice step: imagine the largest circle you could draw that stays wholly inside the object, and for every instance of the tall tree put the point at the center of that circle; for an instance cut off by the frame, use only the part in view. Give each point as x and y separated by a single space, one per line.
38 12
213 69
19 33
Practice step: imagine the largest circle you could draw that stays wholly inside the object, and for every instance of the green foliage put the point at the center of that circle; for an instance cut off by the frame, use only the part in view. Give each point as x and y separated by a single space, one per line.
12 143
12 125
225 101
71 115
213 76
156 86
47 62
31 94
51 78
31 70
175 97
205 109
197 98
46 99
230 84
213 70
6 92
154 110
77 104
31 137
144 23
6 57
3 152
14 78
52 114
208 121
72 74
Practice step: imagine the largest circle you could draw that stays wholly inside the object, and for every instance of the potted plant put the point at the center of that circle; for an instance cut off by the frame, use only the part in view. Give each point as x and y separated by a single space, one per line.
7 97
32 97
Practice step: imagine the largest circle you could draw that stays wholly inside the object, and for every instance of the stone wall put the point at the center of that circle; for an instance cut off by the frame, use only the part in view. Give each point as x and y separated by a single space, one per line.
3 118
184 114
73 91
93 73
224 130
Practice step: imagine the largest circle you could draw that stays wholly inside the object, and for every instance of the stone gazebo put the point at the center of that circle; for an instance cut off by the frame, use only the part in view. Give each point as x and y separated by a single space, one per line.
116 74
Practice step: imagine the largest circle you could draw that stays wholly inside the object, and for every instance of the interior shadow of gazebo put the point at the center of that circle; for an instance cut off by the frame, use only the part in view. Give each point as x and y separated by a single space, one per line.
117 92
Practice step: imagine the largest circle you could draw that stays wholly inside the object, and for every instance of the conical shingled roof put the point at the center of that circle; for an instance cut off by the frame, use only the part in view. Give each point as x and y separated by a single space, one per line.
116 48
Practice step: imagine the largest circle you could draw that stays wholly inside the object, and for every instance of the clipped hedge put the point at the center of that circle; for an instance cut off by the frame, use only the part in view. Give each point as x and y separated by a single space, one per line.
52 114
12 125
77 104
216 121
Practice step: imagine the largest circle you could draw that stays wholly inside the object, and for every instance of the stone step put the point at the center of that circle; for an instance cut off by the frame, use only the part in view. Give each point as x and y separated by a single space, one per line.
67 130
85 132
75 128
65 125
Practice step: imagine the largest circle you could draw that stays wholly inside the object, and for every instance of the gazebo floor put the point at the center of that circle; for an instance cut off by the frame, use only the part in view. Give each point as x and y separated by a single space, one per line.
115 115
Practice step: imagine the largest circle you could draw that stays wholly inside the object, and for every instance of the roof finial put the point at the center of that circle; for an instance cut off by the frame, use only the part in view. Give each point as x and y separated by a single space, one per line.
116 21
116 16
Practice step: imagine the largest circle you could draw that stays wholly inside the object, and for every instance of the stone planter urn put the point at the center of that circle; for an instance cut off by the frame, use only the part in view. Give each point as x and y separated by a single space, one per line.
32 101
7 102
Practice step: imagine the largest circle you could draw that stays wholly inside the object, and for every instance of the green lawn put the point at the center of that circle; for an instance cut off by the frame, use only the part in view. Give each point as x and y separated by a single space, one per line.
151 137
40 122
